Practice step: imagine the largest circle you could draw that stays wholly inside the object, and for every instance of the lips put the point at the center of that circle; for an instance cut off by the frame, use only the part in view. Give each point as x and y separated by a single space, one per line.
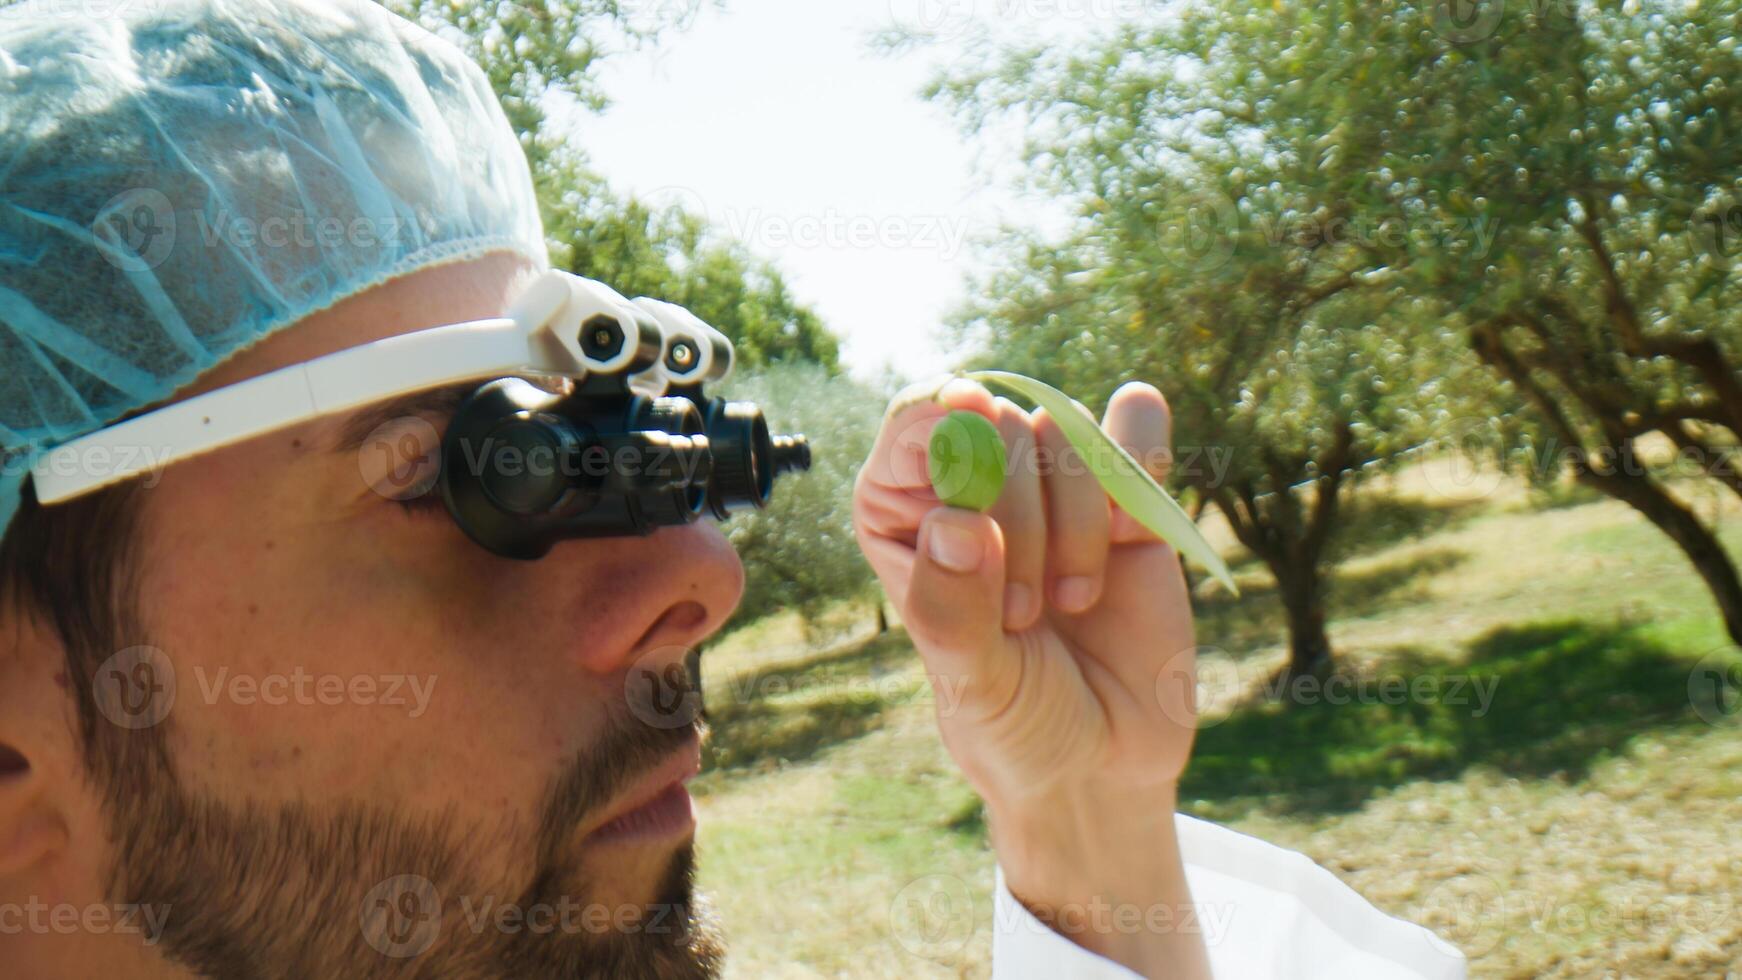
656 807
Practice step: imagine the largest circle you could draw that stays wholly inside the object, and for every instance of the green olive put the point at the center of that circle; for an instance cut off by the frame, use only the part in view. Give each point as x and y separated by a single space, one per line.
966 461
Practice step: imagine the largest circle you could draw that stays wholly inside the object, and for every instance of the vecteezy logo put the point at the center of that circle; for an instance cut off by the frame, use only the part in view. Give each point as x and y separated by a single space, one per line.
1715 686
1463 21
660 691
942 18
135 688
1468 910
1462 475
679 198
136 229
932 19
1199 687
1200 232
401 917
401 458
933 917
1716 230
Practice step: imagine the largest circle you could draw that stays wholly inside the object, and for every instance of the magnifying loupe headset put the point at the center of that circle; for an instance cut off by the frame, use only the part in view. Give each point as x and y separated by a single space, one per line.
624 442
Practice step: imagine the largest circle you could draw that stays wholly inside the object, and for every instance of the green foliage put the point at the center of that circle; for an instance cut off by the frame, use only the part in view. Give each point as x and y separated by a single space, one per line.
801 553
1303 218
1212 256
534 49
1596 690
1216 252
1569 178
670 254
1565 181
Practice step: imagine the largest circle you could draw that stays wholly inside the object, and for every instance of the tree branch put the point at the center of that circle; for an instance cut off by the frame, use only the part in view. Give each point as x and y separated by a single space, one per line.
1700 353
1719 465
1332 468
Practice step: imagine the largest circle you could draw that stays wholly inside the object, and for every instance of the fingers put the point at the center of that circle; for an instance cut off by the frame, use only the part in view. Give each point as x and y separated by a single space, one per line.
1078 517
1139 419
898 458
893 492
1055 520
955 605
1021 515
1145 591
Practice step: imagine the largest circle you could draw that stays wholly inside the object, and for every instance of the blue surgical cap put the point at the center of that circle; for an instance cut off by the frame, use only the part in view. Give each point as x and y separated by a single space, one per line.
181 178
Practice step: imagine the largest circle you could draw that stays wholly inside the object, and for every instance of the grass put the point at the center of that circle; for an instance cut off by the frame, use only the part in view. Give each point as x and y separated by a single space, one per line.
781 714
1580 820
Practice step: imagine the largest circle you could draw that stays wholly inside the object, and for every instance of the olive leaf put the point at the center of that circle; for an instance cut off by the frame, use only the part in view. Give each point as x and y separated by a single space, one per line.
1124 479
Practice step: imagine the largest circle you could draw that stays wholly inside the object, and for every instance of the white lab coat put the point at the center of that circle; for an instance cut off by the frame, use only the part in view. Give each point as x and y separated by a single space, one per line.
1265 912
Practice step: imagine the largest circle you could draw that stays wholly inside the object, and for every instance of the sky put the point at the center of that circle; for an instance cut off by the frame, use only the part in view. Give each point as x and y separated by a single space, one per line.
777 120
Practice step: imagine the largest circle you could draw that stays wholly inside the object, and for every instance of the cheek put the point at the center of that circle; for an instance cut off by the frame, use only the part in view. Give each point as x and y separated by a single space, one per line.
318 661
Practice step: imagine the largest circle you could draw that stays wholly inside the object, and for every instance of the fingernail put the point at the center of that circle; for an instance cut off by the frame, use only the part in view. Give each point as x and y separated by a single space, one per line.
913 394
956 548
958 388
1018 603
1074 593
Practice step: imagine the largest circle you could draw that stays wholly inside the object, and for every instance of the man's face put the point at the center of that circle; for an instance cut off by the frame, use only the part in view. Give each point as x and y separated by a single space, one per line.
390 752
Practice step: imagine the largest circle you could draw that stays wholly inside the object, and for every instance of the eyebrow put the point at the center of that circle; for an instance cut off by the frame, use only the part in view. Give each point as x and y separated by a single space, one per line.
440 402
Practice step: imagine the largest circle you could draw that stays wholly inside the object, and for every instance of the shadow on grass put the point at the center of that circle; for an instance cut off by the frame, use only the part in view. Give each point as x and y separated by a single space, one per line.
1371 521
1562 494
1255 620
1561 697
969 821
1374 522
1383 587
794 710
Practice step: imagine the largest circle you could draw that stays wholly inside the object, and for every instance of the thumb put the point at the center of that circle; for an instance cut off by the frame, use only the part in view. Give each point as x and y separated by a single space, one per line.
955 604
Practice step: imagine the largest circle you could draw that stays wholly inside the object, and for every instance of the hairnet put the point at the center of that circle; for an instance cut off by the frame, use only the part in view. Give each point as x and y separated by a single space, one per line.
181 178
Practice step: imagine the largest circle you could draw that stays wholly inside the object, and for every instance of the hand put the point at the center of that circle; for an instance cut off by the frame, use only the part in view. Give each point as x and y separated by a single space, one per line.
1058 636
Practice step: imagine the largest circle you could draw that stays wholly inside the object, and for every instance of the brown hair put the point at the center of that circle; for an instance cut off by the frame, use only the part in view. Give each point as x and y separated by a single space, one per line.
72 567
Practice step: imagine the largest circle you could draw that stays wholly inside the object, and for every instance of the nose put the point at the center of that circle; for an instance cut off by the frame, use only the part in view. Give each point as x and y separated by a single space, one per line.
650 600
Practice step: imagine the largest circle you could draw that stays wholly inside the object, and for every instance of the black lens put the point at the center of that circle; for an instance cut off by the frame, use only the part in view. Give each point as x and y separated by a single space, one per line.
692 454
524 465
791 454
742 449
682 357
602 337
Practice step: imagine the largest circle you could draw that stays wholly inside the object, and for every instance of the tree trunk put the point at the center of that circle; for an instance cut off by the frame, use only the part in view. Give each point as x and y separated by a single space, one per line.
1626 479
1290 538
692 662
1684 528
882 618
1197 514
1301 588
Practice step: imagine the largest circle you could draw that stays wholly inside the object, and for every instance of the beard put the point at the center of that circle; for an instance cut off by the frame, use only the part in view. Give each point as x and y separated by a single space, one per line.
304 890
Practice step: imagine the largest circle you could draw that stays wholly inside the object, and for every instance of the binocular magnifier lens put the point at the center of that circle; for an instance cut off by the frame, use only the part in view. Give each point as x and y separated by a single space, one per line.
523 468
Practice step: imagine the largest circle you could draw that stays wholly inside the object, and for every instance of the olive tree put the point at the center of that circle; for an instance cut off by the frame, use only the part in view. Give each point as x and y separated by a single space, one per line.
1215 251
1567 182
800 553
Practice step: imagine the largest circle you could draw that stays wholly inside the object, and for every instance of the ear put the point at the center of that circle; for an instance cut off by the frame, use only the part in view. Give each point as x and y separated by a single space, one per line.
38 754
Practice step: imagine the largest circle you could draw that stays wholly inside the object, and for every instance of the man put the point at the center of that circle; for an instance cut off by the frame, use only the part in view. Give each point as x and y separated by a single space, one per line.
264 715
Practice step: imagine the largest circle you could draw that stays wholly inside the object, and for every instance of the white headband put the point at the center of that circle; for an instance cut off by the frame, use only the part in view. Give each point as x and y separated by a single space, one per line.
540 337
